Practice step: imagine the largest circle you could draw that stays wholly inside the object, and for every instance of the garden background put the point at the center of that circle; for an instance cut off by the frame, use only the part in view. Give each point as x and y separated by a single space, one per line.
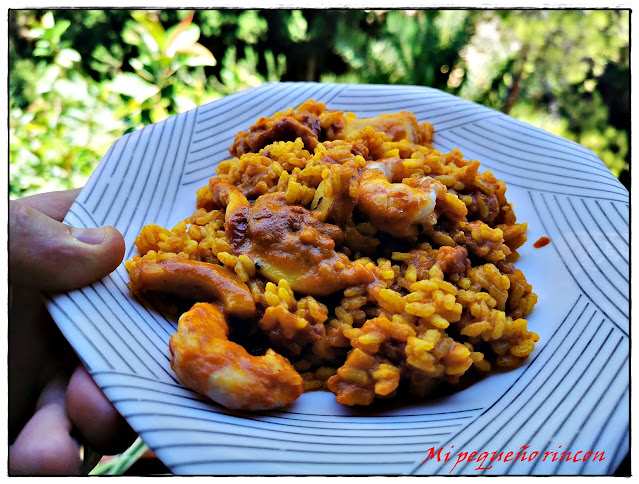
79 79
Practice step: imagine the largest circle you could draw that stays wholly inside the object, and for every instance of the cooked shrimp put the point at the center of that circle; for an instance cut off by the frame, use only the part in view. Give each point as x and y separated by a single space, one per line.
206 361
397 208
394 168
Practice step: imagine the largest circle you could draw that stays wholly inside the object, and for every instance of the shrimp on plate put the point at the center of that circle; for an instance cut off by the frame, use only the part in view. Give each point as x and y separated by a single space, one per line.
204 358
201 353
396 207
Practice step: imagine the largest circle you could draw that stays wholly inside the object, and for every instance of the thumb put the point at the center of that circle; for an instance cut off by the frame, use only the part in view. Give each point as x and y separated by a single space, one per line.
47 254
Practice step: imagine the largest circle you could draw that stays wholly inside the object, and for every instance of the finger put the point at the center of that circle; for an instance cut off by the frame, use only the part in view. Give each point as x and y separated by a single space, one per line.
37 352
94 417
45 446
47 254
53 393
52 204
28 351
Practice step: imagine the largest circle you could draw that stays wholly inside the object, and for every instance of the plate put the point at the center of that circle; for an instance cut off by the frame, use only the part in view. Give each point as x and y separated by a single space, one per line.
572 395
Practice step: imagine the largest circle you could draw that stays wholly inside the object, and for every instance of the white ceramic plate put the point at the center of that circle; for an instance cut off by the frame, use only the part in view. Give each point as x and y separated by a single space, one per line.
571 395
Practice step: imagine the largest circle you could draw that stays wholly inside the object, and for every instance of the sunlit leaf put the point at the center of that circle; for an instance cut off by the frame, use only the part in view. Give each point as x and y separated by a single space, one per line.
42 49
66 57
151 27
130 35
198 55
275 68
158 113
297 26
136 64
184 39
175 31
76 90
149 42
134 86
45 83
251 27
184 103
193 61
55 33
48 20
35 33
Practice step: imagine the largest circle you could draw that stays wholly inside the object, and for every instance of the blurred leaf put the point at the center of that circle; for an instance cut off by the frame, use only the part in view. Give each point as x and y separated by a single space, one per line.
66 57
76 90
134 86
198 55
194 61
47 20
152 29
275 68
297 26
140 70
42 50
55 32
35 33
45 83
251 27
409 48
103 60
174 32
130 35
183 40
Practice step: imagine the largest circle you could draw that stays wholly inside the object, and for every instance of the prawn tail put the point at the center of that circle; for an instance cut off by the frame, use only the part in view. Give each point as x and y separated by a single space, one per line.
207 362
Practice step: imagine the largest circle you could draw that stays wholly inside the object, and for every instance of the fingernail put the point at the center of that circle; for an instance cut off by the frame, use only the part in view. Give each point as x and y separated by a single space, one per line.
89 236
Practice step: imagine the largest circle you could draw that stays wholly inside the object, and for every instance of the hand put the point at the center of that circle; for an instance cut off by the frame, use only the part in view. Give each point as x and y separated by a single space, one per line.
52 399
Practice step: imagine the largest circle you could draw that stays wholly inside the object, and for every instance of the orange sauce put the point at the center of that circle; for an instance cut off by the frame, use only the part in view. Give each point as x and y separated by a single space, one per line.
542 242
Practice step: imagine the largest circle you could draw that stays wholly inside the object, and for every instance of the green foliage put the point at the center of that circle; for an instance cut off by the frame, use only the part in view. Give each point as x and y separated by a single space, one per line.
251 27
584 123
587 124
119 464
297 26
79 79
67 123
162 82
556 49
547 69
422 48
62 120
238 74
